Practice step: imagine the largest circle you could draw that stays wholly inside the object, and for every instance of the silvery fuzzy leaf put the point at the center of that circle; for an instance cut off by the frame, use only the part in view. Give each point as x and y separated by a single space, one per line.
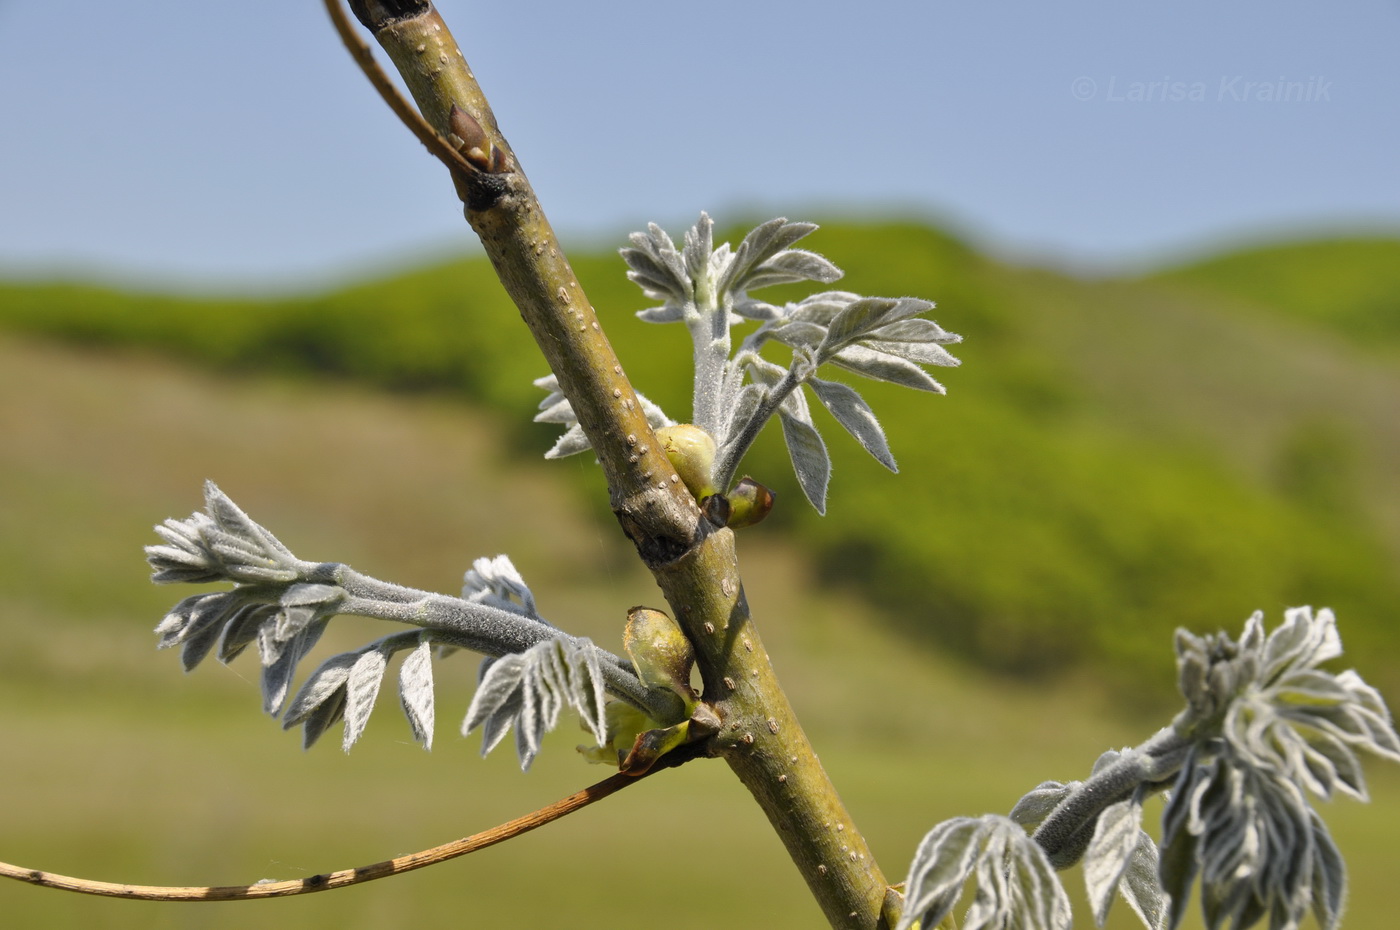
882 367
164 572
242 628
666 313
527 690
1363 696
809 457
1016 887
741 411
652 277
750 308
762 243
821 308
656 417
183 536
861 318
270 553
321 686
660 245
1303 641
550 385
1107 759
1322 762
852 412
1247 832
172 626
1140 886
495 727
303 595
791 266
656 259
1116 837
571 443
922 353
1041 802
185 560
763 371
561 412
1177 866
289 621
1329 878
200 637
497 582
857 319
942 863
916 330
1365 718
416 691
325 715
220 544
277 674
1281 710
797 333
699 244
555 408
229 517
361 691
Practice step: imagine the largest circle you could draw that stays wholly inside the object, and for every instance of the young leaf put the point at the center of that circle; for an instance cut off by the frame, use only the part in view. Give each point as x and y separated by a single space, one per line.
761 244
277 674
791 266
527 690
416 691
852 412
884 367
857 319
361 691
809 457
1040 802
1140 886
322 685
1116 837
1016 887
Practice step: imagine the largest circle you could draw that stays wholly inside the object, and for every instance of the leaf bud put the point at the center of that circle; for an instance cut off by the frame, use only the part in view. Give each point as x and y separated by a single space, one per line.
749 503
662 654
691 452
472 141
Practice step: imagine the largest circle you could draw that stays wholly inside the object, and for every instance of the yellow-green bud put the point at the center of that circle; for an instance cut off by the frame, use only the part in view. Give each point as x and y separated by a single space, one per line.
662 655
691 451
749 502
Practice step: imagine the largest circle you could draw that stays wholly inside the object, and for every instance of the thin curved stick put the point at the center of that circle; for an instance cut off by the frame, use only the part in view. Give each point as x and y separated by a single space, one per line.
329 880
407 113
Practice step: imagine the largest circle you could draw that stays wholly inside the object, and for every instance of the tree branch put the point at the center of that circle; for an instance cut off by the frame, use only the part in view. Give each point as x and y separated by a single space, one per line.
694 563
363 56
654 507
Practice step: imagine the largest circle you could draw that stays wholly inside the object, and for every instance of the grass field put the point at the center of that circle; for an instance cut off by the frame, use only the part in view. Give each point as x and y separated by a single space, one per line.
117 766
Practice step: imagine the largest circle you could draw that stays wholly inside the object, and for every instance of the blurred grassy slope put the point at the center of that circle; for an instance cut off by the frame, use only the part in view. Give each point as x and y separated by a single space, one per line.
1115 458
115 765
1348 286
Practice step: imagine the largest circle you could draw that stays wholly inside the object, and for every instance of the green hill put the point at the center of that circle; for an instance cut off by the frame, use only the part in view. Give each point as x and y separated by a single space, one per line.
1348 286
1114 459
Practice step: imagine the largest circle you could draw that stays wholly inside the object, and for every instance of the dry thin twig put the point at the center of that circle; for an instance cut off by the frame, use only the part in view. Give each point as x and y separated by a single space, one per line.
407 113
329 880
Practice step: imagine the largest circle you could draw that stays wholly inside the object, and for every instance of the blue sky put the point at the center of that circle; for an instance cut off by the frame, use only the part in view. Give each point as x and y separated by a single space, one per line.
235 145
